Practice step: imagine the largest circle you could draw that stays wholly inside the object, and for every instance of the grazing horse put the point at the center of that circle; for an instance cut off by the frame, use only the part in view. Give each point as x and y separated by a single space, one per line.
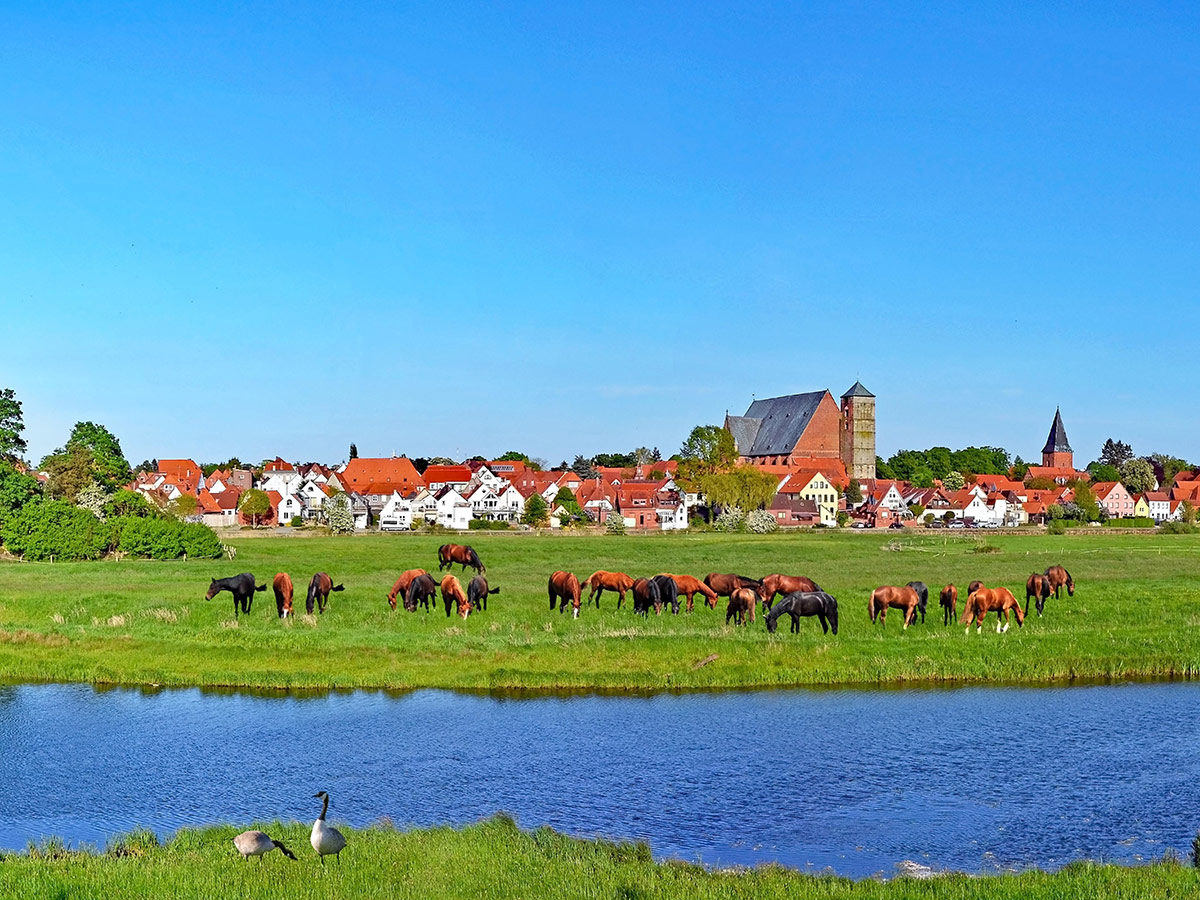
318 592
668 592
905 598
785 584
725 585
477 592
601 581
1060 578
421 589
283 594
453 596
241 586
400 588
805 603
922 590
985 600
449 554
690 587
564 586
1038 587
645 595
949 603
741 602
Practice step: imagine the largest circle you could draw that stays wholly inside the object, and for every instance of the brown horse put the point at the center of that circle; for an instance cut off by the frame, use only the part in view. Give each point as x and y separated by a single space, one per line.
1038 587
400 588
741 602
949 604
882 598
725 585
565 586
986 600
453 596
449 554
318 592
602 581
687 584
785 584
1060 578
283 594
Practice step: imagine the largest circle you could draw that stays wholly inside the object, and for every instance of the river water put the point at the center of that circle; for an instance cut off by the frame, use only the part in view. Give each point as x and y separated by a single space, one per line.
979 779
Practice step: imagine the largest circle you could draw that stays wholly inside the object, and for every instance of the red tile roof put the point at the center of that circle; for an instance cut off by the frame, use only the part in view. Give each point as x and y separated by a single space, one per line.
447 475
382 474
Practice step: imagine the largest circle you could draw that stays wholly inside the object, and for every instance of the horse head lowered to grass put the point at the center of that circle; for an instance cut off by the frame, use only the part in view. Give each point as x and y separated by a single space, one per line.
805 603
241 586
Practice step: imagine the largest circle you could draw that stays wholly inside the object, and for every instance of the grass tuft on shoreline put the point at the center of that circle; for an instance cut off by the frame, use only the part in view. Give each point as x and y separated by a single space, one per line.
496 859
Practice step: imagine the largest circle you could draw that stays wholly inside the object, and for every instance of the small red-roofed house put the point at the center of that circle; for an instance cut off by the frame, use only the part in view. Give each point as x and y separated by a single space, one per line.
1116 501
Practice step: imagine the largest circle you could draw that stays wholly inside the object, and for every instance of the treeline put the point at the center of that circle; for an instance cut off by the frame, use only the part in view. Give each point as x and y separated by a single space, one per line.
923 467
84 511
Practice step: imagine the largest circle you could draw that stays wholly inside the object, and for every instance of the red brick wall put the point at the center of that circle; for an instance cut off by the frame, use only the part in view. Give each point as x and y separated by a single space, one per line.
823 436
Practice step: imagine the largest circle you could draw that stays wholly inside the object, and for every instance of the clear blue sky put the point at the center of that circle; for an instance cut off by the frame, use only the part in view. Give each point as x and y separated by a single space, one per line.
443 229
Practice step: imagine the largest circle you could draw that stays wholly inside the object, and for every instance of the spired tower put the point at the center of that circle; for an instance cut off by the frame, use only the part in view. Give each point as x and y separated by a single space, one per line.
858 432
1057 453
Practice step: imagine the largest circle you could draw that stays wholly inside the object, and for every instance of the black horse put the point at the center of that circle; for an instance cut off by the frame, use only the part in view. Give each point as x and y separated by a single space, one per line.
805 603
477 592
645 595
241 586
922 590
668 592
421 589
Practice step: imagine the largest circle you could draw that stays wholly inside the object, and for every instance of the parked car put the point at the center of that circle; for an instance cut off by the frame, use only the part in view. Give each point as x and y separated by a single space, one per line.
957 523
896 525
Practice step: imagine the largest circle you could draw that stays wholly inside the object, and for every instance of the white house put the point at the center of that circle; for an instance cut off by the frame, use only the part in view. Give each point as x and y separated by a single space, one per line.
1160 506
424 506
397 514
313 496
453 510
290 507
285 481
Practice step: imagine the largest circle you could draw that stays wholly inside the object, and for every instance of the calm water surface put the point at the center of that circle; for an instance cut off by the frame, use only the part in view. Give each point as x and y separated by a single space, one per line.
972 778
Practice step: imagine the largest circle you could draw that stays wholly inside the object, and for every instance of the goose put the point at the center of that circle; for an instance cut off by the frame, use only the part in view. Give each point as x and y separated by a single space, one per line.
256 843
326 839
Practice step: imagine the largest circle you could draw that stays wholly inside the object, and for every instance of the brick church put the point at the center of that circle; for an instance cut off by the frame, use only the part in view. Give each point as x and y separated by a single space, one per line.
810 431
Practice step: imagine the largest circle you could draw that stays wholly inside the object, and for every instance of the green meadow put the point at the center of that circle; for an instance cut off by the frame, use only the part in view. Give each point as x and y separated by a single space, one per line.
495 859
1134 615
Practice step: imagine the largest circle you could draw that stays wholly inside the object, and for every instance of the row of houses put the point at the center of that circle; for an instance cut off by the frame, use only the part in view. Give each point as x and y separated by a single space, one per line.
390 493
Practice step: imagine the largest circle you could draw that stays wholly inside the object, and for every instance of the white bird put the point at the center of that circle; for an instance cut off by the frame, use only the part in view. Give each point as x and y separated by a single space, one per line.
256 843
325 838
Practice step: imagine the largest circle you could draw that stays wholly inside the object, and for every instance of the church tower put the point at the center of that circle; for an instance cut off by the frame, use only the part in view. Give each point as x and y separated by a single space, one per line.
858 432
1057 452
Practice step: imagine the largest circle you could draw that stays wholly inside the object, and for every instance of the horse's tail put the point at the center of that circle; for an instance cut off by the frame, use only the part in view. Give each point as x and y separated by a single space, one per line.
338 587
494 591
260 587
871 607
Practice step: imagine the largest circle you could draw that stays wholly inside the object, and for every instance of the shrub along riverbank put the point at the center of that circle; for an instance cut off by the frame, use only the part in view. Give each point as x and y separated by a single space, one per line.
1133 615
495 859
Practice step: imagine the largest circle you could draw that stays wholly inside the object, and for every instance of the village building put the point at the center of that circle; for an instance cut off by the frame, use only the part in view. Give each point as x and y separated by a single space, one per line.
1058 460
383 475
799 431
1114 498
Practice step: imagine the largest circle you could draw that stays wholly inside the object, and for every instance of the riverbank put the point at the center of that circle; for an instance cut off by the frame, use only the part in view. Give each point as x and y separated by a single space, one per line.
495 859
144 622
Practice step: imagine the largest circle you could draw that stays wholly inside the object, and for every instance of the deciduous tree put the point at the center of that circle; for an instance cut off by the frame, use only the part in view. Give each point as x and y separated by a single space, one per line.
536 513
954 481
255 503
1114 453
12 426
1137 475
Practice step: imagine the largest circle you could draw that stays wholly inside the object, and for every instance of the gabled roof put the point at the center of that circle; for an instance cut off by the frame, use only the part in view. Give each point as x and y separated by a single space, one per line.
744 431
1057 441
1102 489
857 390
782 421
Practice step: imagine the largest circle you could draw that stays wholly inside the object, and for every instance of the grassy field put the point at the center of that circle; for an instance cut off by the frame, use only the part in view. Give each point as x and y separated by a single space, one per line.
494 859
1134 614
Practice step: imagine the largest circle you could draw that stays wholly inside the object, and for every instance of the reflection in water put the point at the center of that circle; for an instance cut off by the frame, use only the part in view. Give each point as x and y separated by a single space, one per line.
973 778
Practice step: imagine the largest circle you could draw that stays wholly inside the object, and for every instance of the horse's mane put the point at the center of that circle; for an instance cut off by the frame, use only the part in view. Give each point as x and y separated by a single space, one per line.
757 581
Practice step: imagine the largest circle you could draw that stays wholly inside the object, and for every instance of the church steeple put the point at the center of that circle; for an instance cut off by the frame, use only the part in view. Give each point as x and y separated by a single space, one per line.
1057 451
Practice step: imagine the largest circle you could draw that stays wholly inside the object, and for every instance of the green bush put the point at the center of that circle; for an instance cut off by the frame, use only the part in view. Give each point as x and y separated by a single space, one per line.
730 520
165 539
1177 528
1137 522
1057 526
55 530
485 525
614 524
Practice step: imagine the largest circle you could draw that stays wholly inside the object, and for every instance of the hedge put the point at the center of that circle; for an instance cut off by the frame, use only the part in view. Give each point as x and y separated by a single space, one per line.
54 530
